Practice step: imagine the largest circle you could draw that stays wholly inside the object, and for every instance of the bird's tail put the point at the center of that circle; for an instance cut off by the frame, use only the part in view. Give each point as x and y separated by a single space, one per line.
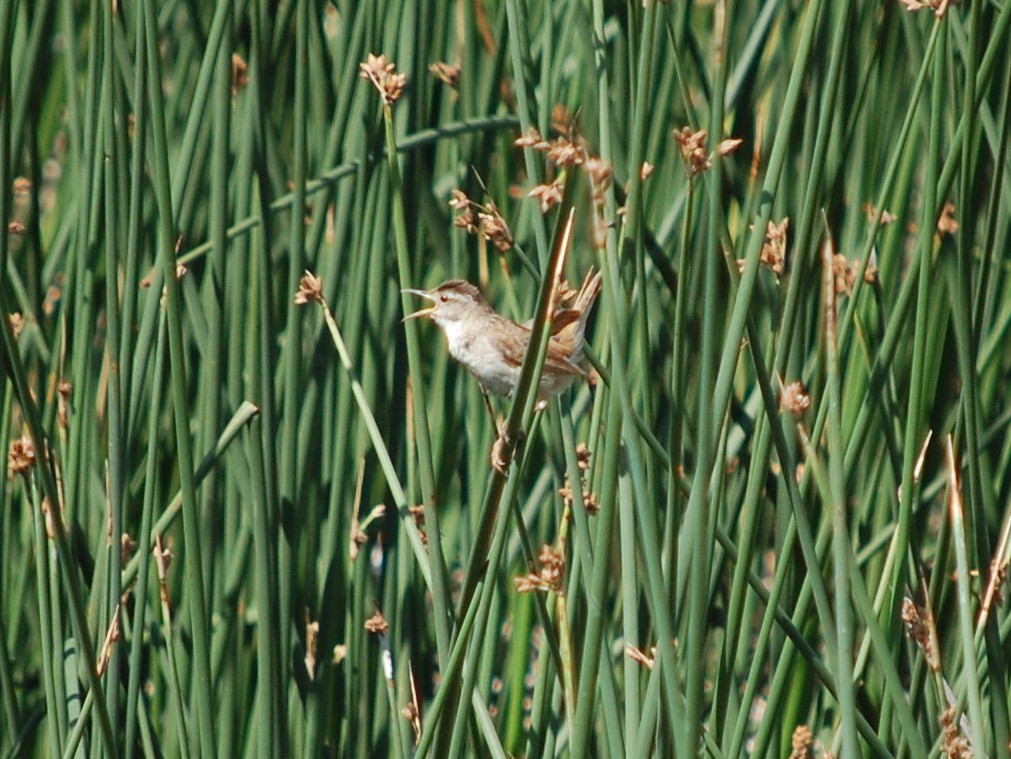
569 324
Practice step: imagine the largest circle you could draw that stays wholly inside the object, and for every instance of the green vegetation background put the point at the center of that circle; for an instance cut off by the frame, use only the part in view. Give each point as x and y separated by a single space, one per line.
735 564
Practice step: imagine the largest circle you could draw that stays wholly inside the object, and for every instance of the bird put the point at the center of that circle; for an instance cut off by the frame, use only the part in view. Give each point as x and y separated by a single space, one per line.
492 347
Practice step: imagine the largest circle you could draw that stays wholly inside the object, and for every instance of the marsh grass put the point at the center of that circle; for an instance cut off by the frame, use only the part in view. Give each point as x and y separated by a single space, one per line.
236 522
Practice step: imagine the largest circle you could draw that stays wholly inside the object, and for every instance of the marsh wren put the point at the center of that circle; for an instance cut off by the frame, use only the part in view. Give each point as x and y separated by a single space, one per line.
492 347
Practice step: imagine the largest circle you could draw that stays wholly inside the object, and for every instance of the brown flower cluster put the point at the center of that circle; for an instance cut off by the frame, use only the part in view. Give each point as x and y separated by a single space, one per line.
532 139
21 455
358 539
410 713
887 217
358 535
548 195
773 252
953 742
163 560
418 515
940 7
112 635
590 502
447 73
562 152
794 398
947 224
774 247
845 274
694 152
65 389
998 578
693 149
920 629
600 175
570 150
549 577
311 644
486 221
377 624
567 150
382 75
638 655
240 74
310 290
16 322
801 743
127 547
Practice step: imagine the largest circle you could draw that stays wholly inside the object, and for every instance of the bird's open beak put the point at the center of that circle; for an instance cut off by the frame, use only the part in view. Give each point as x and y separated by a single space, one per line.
421 294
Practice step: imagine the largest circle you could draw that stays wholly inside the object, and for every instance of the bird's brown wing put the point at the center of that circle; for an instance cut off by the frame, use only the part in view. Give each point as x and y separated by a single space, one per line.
567 326
557 357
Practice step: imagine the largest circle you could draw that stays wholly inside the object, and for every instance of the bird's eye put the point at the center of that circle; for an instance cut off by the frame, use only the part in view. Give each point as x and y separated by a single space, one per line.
444 298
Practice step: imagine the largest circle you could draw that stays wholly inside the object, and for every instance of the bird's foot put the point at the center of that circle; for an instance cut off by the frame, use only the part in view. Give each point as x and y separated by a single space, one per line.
503 449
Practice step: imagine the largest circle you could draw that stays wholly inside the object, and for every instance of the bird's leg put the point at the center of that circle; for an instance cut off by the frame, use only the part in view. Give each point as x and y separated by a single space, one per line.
499 459
506 448
491 411
498 452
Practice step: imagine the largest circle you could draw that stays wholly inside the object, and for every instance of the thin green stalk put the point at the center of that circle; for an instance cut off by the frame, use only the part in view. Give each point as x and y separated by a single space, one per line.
264 528
598 592
452 670
114 206
292 383
631 597
214 494
520 60
465 685
147 516
376 438
73 745
621 409
748 537
11 711
709 420
966 602
841 550
438 583
55 729
981 501
175 686
193 557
